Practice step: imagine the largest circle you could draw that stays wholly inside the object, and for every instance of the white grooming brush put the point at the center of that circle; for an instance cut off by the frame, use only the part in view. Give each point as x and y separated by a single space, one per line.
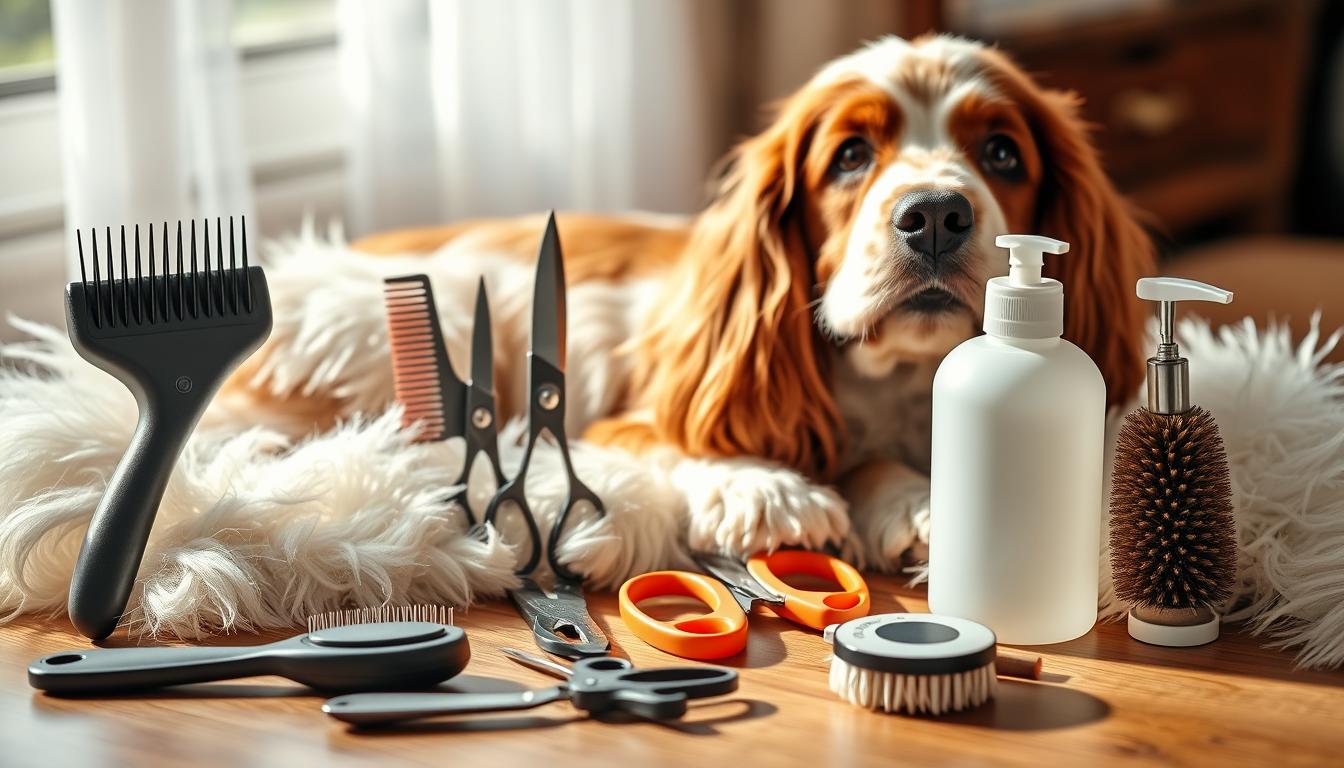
916 663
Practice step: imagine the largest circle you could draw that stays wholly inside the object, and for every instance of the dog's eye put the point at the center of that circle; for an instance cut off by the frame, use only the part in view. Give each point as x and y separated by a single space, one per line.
852 157
1001 156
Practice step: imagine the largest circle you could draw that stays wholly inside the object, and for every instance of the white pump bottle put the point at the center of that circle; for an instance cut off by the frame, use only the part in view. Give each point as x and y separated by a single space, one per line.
1016 469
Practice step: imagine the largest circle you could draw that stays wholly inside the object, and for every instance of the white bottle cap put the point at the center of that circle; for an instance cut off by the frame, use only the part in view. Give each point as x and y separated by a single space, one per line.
1025 305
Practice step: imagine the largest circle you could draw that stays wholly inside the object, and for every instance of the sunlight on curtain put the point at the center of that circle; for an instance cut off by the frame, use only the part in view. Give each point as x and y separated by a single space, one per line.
531 104
149 112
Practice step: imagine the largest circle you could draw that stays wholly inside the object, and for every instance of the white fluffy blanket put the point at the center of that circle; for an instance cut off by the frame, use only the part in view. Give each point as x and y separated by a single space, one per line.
257 530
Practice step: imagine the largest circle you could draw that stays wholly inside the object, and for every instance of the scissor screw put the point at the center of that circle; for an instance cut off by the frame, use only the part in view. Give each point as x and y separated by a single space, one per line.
480 418
548 397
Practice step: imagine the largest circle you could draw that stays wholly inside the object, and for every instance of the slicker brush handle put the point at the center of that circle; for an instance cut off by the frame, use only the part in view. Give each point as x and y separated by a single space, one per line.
114 545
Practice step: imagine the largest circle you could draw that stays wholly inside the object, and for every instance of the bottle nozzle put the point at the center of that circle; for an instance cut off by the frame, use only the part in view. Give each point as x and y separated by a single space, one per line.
1026 256
1168 376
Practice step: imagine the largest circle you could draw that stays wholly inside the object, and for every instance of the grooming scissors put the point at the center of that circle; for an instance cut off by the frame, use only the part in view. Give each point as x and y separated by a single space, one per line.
732 589
479 423
597 686
562 610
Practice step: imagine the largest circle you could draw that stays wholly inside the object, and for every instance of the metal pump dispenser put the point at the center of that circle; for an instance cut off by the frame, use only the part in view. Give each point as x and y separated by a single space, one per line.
1168 372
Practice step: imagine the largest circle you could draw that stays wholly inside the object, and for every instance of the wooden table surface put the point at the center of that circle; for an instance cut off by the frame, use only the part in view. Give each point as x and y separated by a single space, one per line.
1106 700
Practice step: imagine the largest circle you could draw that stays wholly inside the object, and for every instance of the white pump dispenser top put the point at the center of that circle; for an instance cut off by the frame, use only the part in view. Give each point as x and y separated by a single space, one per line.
1025 305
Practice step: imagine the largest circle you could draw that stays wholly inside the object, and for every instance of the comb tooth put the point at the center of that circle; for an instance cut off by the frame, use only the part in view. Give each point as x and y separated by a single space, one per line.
195 276
153 289
125 283
209 287
247 275
83 278
112 302
97 282
233 271
166 285
219 262
181 277
139 282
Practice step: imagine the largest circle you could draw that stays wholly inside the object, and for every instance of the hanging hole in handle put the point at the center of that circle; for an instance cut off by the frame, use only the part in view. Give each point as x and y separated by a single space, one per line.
606 664
841 601
65 658
705 625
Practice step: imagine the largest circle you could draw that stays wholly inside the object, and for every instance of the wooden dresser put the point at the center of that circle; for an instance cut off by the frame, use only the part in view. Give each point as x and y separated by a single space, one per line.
1196 102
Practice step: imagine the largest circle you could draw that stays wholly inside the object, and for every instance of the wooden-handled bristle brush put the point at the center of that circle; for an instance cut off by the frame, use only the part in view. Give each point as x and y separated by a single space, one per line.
1173 534
171 338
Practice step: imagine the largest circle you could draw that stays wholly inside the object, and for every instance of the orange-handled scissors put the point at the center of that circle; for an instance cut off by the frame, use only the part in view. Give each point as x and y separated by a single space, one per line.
730 592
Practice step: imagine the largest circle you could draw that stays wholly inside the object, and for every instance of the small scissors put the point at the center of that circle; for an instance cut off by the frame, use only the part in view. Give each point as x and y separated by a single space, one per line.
597 686
563 610
479 422
731 591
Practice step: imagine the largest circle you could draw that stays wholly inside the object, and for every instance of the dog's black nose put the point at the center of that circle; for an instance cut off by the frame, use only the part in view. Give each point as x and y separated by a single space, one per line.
933 223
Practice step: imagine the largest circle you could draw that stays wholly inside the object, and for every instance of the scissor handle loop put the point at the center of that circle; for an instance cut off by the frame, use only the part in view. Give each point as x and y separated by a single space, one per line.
812 608
720 633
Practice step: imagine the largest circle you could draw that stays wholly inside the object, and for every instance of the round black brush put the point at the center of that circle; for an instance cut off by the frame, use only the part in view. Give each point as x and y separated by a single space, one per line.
1173 534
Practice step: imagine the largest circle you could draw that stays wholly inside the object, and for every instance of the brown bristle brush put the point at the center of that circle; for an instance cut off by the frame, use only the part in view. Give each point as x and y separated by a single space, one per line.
1173 534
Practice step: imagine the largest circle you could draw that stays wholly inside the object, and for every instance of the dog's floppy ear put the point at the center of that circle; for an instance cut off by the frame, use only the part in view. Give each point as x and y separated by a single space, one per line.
1110 251
733 364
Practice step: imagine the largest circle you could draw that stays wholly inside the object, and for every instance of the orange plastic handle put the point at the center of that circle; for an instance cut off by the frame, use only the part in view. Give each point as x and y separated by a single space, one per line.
715 635
817 610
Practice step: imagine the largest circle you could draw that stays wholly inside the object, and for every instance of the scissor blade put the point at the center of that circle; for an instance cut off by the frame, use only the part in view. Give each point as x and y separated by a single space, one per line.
735 576
545 666
548 299
482 352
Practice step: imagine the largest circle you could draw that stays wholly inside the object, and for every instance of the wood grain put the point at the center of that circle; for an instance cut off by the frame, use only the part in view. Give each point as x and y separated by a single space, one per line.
1104 700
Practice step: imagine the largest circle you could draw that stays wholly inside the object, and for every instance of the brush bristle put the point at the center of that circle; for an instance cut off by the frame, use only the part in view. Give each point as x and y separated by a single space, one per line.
913 694
418 354
1173 534
436 614
144 292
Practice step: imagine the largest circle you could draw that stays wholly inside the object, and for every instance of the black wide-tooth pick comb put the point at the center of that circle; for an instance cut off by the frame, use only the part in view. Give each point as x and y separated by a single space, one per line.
171 338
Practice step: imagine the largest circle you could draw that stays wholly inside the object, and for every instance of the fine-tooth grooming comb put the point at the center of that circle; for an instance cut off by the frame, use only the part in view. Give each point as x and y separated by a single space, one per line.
423 377
171 337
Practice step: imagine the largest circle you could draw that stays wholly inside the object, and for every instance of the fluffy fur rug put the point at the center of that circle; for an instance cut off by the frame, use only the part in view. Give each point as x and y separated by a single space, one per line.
258 529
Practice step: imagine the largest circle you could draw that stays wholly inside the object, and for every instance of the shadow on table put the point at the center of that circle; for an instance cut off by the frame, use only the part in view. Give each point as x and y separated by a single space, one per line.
1025 706
1234 653
700 720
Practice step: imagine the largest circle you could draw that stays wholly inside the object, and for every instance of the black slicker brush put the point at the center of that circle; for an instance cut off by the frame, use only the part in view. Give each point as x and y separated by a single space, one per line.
1173 535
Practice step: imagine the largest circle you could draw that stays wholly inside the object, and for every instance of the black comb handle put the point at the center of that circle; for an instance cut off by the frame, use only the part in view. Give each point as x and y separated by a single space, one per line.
171 339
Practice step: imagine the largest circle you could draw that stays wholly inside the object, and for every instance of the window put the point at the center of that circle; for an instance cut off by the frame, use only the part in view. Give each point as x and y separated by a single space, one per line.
27 55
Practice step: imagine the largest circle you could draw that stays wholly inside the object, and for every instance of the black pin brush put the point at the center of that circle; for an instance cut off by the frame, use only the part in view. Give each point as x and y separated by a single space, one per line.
171 338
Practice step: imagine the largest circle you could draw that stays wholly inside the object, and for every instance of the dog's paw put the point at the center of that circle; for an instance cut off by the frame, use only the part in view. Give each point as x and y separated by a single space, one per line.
740 506
889 508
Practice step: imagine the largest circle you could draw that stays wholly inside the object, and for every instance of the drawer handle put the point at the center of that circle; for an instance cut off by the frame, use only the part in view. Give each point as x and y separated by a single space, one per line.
1149 113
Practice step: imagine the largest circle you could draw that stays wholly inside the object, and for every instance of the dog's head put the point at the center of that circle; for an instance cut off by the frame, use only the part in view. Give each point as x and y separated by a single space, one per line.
863 219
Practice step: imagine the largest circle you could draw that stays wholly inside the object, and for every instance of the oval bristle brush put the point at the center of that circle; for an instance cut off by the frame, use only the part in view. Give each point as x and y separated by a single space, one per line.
1172 530
920 663
171 339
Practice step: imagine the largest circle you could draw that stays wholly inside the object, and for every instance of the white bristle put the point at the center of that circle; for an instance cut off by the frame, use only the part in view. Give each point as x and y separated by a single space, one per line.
436 614
913 694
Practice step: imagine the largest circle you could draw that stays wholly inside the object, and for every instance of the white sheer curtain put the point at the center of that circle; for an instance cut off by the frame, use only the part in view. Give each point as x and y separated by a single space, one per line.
148 99
461 108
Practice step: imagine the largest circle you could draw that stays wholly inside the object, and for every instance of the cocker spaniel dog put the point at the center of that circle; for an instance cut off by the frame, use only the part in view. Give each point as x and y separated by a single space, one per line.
776 352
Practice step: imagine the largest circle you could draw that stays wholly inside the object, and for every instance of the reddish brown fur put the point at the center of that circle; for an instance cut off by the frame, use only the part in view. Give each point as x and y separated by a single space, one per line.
732 364
1109 249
